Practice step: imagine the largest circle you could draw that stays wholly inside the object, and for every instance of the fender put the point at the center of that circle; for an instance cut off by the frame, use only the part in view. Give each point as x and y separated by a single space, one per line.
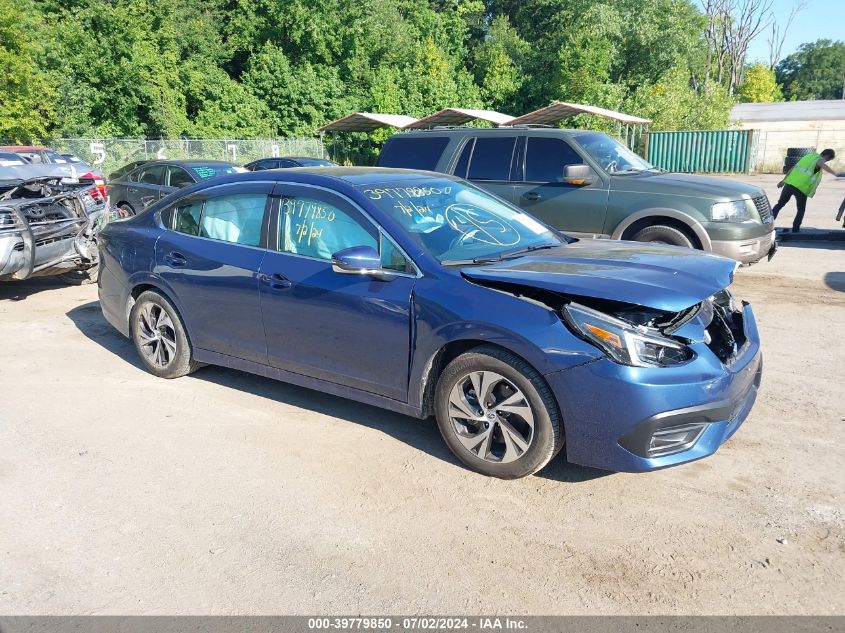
693 224
146 278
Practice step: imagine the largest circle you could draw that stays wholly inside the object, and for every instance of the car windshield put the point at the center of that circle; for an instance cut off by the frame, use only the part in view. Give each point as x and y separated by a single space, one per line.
613 157
458 223
7 159
204 172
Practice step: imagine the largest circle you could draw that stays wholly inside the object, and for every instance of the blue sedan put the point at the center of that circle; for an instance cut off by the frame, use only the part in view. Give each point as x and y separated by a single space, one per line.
423 294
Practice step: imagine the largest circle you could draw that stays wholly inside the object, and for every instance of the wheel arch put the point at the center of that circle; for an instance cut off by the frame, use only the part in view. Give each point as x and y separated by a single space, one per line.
671 217
449 351
140 286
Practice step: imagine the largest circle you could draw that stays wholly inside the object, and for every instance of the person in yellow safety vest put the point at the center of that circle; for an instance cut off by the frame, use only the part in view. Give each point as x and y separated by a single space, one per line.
802 182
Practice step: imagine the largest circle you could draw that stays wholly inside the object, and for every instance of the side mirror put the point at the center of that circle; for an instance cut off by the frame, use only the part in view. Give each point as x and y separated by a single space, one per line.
360 260
580 175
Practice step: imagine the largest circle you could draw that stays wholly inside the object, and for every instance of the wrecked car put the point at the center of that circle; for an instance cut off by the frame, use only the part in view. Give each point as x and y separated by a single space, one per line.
49 218
423 294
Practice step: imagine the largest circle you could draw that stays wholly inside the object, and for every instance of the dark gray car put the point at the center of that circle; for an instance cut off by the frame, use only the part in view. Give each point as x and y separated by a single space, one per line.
283 162
590 185
137 189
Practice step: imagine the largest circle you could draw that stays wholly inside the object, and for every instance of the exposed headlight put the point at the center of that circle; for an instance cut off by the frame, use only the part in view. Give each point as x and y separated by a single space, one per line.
734 211
623 342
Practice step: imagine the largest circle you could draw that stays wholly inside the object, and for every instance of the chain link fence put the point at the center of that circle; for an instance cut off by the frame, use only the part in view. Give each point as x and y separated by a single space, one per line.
110 154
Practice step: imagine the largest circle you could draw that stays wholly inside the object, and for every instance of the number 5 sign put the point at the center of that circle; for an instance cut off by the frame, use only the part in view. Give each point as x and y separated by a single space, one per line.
99 152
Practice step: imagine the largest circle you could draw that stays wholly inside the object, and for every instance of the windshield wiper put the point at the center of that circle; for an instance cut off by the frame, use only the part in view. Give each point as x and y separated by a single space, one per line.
467 262
527 249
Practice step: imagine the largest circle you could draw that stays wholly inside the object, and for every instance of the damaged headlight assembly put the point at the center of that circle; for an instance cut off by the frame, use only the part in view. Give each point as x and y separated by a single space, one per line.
627 344
734 211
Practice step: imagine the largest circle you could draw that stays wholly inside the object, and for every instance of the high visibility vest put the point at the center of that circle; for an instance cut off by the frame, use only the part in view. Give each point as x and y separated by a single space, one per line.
804 176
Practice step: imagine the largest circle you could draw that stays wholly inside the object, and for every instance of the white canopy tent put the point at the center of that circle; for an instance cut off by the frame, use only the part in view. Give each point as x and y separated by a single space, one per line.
459 116
558 111
367 122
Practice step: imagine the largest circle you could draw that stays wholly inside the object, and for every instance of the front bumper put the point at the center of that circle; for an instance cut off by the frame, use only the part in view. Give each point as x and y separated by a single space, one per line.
746 251
611 411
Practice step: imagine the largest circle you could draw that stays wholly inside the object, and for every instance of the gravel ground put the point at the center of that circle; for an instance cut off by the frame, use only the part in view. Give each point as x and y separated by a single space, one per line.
224 493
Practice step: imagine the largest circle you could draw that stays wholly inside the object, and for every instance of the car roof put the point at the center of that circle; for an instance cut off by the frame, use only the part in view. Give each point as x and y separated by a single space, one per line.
339 178
186 161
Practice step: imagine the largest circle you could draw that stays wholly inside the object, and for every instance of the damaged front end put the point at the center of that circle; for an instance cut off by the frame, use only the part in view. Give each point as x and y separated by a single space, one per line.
640 336
47 227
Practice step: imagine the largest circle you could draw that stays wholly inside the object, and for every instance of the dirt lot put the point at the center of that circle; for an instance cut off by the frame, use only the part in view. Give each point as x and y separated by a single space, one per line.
224 493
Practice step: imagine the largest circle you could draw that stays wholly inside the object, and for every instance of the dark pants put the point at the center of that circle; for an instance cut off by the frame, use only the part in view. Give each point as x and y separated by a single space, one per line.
800 200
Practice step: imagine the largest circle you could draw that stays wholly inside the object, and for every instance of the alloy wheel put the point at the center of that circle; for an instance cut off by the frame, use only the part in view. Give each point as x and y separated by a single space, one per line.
491 417
156 335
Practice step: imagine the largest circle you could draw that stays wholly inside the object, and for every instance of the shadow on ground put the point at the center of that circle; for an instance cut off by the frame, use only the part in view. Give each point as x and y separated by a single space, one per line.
835 281
812 245
421 434
21 290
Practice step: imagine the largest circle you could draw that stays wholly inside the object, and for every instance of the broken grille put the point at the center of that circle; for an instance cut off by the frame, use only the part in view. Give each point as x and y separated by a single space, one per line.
764 209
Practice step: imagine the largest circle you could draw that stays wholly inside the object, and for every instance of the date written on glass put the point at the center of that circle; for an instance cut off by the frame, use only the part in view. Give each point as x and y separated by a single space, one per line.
416 623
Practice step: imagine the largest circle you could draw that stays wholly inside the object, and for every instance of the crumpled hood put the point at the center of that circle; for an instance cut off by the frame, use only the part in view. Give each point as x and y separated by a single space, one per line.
668 278
13 175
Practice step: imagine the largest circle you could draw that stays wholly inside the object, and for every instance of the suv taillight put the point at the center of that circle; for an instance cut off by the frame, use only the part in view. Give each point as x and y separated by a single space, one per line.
99 191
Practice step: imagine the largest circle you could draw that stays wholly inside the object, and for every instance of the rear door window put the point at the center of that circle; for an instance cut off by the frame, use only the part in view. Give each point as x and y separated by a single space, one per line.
186 217
152 175
234 218
413 152
491 158
179 177
545 158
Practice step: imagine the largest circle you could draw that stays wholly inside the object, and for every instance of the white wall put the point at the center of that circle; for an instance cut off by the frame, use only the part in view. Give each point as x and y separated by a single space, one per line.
776 136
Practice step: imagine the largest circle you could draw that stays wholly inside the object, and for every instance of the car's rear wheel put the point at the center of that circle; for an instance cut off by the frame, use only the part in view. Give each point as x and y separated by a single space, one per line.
497 414
160 337
127 209
662 234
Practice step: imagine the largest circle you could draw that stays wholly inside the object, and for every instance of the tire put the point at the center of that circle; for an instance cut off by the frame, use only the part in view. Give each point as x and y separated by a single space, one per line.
81 277
127 207
164 347
798 152
500 444
663 234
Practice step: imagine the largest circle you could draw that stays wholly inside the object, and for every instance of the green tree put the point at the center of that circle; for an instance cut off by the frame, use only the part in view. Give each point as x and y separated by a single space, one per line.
26 95
815 71
759 86
672 104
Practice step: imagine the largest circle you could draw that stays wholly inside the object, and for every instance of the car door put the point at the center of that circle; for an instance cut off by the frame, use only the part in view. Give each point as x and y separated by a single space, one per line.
486 161
541 190
146 187
210 256
349 329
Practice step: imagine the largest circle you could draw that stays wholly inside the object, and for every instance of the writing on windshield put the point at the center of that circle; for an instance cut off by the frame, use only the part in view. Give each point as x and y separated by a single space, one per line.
456 221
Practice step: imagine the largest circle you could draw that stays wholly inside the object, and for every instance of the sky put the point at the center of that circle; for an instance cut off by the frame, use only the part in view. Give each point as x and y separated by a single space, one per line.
820 19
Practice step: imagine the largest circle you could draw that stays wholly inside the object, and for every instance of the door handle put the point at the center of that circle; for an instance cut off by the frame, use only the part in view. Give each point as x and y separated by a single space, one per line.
531 195
133 190
175 259
276 281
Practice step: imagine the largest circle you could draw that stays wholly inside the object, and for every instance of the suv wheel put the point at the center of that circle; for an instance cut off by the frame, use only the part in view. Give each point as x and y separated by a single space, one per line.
497 414
160 337
662 234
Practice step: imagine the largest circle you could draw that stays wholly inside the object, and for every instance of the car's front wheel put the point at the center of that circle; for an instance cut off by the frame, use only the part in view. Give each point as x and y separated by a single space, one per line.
160 337
497 414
